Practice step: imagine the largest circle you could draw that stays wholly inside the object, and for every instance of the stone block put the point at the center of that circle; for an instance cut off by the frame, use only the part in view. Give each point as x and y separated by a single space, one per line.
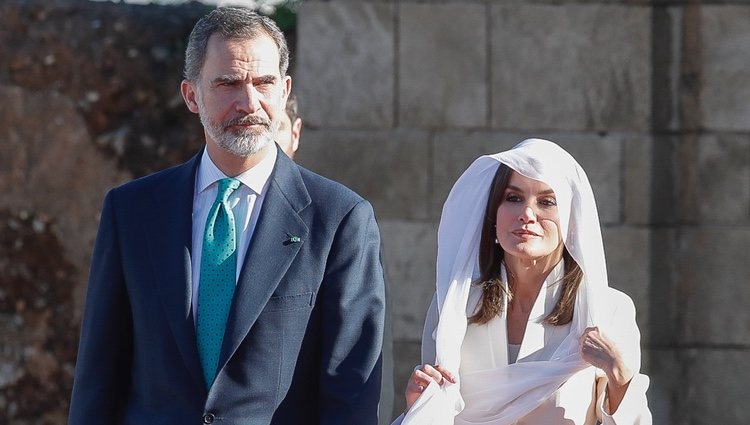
600 157
388 168
346 64
703 179
721 193
673 163
629 268
665 307
583 67
716 381
666 375
725 75
699 386
637 179
409 252
442 75
711 273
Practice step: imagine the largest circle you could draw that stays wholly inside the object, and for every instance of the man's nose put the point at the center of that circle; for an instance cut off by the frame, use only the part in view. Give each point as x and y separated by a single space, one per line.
248 100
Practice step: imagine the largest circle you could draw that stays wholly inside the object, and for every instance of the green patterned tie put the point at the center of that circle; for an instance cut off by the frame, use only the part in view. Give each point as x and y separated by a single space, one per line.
217 279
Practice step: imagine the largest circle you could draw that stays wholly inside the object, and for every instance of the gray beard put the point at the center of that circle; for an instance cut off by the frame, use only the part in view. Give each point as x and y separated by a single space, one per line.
240 143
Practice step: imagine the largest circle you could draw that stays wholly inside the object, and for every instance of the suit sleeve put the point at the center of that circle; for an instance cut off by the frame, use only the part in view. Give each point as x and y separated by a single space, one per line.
353 303
623 330
104 352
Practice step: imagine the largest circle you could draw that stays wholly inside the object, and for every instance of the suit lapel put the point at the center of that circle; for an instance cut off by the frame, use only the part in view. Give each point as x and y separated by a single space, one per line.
270 253
170 252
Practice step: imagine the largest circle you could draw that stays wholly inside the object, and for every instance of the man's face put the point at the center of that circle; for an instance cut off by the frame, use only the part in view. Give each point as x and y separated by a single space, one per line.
288 134
240 94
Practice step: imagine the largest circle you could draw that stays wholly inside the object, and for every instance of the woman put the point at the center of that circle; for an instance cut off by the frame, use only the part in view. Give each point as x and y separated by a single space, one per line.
523 328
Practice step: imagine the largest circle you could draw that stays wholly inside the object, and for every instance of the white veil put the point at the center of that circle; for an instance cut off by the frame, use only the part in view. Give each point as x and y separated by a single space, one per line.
505 394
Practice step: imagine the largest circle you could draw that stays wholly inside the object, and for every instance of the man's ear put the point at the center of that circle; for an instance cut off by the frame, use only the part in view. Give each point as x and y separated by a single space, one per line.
189 95
296 131
286 83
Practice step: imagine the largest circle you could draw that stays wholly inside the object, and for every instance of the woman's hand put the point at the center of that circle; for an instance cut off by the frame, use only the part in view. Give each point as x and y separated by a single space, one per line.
421 378
601 352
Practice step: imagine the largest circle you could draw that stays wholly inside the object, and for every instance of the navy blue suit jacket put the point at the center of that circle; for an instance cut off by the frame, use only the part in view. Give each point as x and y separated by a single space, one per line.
304 334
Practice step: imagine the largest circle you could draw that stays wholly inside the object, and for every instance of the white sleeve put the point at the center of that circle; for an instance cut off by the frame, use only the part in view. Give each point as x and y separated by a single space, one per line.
623 330
633 409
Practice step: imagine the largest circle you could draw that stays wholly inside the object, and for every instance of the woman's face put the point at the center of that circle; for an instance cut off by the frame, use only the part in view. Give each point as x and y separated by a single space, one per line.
527 222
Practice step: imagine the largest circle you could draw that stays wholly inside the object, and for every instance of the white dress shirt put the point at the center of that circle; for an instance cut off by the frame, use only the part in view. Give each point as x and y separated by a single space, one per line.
245 201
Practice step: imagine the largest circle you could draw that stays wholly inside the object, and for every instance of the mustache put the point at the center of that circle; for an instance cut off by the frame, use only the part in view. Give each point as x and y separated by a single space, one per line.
248 120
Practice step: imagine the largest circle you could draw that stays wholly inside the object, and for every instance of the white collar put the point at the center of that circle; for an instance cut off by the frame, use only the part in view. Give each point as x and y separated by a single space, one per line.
255 178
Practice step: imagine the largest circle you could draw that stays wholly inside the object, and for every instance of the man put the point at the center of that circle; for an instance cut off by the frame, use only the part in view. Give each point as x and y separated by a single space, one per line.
256 299
290 128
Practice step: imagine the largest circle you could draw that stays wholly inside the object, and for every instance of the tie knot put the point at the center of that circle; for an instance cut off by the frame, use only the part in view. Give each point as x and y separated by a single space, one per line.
226 187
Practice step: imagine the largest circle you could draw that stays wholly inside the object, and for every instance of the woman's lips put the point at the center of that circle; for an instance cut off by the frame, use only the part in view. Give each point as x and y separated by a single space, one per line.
524 233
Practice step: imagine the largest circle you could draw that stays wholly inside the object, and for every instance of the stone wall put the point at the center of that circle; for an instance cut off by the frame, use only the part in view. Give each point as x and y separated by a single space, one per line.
653 98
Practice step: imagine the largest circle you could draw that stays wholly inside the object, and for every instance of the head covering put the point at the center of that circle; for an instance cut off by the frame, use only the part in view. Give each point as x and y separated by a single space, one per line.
509 392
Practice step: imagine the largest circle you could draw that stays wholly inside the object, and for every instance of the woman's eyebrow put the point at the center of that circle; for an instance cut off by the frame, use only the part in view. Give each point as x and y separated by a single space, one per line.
518 189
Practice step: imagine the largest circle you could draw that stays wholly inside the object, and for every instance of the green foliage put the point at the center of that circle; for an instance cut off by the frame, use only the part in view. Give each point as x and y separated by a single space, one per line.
285 15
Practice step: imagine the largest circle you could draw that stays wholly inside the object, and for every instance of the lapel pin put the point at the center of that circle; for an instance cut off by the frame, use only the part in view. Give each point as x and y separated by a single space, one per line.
292 239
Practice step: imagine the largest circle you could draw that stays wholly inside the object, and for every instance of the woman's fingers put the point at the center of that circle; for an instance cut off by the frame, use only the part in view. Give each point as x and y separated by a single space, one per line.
433 373
421 378
594 339
445 375
601 352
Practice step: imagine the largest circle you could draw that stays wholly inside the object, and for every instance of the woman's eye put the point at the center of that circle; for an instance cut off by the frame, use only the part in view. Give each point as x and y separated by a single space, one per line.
512 198
549 202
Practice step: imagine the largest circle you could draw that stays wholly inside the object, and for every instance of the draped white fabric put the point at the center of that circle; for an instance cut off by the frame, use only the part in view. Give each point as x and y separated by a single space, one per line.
503 395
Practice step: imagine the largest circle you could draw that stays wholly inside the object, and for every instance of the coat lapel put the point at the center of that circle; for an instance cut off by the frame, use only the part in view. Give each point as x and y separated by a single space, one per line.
170 252
533 337
270 253
537 339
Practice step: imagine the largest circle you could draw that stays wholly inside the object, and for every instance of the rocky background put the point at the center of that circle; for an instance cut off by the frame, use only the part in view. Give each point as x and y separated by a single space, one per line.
398 97
90 99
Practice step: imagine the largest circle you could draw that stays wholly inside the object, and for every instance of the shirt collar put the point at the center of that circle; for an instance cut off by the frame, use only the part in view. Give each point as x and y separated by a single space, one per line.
254 178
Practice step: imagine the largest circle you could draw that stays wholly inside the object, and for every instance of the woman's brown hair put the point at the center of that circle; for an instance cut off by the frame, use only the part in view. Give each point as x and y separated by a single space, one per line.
491 256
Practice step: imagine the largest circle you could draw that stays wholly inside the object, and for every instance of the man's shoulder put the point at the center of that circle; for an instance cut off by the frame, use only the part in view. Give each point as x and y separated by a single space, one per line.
327 192
155 181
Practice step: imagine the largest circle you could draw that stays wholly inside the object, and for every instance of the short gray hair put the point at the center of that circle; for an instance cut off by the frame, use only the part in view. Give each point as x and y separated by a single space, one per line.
231 23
